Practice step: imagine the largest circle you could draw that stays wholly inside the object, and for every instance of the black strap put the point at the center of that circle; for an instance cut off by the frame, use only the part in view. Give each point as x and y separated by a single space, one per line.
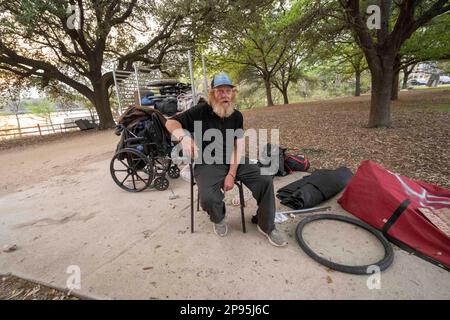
395 216
403 246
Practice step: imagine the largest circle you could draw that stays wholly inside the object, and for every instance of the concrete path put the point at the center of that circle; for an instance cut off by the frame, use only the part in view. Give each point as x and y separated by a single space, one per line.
139 246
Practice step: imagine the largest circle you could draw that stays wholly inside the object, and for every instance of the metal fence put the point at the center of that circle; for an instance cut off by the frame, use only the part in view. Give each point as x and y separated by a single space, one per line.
38 130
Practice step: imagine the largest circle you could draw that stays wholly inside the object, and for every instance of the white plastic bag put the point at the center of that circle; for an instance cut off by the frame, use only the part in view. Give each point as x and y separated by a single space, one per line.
185 173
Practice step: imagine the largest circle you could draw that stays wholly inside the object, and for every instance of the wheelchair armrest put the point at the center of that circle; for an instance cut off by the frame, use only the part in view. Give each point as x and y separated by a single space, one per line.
132 140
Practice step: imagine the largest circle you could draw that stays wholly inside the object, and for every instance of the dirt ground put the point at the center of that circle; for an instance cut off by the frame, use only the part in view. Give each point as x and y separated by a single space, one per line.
330 133
333 133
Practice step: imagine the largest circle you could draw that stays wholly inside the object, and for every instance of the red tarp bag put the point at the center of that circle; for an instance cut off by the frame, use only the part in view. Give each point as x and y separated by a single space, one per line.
389 202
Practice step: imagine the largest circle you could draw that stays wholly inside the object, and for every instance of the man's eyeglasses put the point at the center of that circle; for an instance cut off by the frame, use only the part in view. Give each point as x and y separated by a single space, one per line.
223 90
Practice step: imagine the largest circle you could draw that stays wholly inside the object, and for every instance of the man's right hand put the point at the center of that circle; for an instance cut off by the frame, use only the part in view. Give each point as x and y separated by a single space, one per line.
190 149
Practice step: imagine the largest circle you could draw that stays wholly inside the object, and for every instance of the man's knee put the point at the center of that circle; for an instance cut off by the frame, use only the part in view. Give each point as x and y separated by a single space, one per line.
265 180
209 199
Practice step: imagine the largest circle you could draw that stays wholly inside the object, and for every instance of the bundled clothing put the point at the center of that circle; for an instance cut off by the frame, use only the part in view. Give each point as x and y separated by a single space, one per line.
133 115
144 122
311 190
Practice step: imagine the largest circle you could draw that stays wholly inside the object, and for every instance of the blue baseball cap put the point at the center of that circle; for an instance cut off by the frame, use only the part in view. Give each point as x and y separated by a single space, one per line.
221 79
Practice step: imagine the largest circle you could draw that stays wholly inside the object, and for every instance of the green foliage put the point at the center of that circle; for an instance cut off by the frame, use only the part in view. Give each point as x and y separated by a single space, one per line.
263 49
444 66
65 97
42 108
306 46
431 42
13 90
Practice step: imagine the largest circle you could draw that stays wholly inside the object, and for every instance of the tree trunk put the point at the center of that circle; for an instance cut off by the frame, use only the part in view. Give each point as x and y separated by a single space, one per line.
91 113
18 124
268 92
405 78
285 95
357 83
101 104
395 85
380 104
396 76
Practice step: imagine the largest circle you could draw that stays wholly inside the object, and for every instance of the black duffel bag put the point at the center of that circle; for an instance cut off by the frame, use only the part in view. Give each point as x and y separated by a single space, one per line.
167 106
273 152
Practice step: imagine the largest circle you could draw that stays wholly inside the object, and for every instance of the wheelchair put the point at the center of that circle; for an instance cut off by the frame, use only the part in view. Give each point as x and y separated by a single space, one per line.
142 158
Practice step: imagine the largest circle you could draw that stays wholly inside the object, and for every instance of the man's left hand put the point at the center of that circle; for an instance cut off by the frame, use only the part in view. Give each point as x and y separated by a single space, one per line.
229 183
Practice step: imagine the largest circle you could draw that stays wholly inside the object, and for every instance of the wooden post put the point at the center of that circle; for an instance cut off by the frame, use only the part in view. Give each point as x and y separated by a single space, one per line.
39 127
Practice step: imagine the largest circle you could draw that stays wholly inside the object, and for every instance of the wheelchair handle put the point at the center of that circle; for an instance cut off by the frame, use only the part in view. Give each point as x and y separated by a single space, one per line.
131 140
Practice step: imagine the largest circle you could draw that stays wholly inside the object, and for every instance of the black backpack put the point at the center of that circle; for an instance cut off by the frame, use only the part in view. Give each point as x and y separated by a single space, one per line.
278 153
296 163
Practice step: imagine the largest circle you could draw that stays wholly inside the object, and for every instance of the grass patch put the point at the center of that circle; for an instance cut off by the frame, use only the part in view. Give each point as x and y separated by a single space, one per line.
437 108
439 88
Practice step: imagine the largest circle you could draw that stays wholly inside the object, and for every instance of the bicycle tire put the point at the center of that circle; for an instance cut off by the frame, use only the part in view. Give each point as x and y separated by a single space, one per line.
383 264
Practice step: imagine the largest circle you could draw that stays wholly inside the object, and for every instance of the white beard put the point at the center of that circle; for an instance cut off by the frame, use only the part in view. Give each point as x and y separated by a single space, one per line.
223 112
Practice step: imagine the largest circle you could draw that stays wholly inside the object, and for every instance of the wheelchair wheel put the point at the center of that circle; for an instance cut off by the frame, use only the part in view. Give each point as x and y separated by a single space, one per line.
160 166
161 183
131 170
174 172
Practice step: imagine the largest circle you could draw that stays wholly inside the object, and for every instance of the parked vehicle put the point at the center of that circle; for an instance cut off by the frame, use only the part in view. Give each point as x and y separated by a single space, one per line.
444 80
418 82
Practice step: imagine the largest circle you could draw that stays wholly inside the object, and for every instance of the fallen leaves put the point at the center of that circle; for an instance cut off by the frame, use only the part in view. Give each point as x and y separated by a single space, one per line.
329 280
14 288
333 133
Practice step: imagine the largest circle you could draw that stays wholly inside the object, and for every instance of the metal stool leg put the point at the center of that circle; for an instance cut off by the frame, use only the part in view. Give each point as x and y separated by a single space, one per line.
192 199
242 202
198 200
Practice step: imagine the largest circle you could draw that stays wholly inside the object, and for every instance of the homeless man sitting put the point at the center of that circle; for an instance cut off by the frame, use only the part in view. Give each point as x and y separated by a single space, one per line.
218 118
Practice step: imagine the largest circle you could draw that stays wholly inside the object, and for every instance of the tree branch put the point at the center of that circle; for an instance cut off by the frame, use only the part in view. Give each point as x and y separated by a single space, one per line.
32 66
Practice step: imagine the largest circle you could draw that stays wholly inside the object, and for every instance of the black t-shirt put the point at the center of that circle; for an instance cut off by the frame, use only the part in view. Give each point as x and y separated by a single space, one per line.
203 114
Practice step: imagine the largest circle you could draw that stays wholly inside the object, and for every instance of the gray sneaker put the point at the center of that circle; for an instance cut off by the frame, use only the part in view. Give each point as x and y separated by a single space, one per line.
221 228
276 238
